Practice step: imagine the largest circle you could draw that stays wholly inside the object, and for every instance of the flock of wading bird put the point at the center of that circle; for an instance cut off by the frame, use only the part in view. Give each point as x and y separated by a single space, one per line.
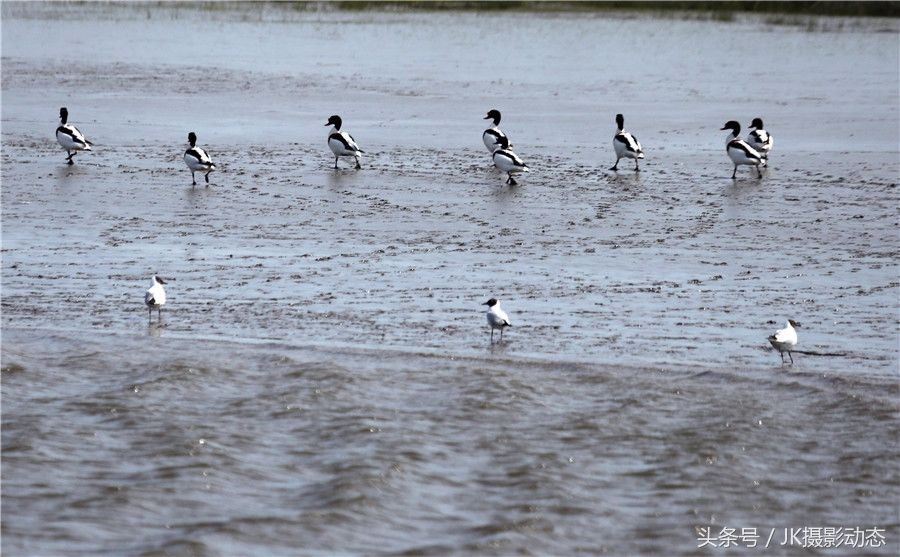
752 151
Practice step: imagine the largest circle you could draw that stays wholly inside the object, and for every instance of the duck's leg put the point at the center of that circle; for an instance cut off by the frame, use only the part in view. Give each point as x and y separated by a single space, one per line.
357 164
69 159
616 166
335 162
207 176
758 172
636 167
193 180
734 174
511 182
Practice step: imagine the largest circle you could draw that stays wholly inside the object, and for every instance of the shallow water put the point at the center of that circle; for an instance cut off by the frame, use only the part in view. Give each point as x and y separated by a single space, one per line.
323 381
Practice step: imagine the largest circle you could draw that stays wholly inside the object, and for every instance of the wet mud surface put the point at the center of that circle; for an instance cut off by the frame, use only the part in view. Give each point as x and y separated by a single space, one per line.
323 379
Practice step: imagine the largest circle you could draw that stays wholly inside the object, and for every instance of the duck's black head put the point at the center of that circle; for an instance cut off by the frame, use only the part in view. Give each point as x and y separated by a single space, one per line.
756 124
503 142
490 303
159 279
733 126
794 324
64 114
334 121
620 121
493 114
192 138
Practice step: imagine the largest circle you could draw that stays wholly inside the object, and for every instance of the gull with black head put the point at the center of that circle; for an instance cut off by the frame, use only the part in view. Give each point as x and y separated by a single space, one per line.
496 317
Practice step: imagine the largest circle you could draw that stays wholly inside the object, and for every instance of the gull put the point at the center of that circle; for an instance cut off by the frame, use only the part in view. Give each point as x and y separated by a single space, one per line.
155 297
496 317
785 339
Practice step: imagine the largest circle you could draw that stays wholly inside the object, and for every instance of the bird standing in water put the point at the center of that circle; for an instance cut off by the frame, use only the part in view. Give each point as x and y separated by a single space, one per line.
496 317
155 297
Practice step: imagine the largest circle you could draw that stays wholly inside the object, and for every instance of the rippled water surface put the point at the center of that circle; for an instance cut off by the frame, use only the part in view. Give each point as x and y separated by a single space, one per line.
323 382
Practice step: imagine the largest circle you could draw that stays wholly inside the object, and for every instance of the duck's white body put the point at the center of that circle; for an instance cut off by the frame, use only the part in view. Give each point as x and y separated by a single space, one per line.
761 141
491 138
509 162
342 144
198 160
741 153
627 146
70 139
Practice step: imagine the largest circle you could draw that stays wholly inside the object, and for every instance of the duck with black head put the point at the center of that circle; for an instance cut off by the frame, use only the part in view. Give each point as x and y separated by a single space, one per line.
69 137
760 139
342 143
739 151
507 161
626 145
492 135
197 160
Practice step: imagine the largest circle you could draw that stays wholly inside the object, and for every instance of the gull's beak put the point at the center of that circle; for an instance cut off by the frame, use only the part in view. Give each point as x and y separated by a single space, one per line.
486 118
327 123
723 129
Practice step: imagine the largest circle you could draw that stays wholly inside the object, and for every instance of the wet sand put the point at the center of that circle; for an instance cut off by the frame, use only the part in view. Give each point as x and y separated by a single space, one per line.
677 273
